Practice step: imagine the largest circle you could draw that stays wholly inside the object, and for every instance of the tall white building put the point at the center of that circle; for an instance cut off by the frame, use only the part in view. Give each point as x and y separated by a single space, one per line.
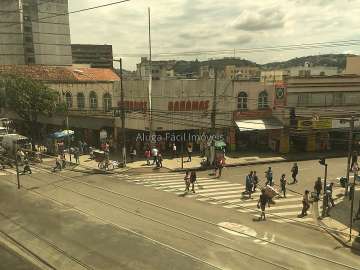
35 32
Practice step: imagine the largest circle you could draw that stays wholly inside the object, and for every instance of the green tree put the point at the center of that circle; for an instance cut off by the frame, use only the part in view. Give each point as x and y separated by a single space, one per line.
29 99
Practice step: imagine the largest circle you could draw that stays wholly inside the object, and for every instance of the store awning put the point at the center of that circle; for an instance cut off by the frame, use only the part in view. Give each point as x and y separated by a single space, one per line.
62 134
259 124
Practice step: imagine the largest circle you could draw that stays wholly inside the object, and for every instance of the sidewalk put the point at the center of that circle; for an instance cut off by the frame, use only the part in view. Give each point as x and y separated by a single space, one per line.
339 220
232 160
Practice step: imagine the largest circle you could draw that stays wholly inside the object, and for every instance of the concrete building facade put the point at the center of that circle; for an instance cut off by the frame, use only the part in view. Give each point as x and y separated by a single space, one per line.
161 70
314 109
237 72
96 56
308 70
352 65
31 34
89 95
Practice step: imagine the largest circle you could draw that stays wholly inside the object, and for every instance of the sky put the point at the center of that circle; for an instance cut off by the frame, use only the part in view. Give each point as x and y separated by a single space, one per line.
179 26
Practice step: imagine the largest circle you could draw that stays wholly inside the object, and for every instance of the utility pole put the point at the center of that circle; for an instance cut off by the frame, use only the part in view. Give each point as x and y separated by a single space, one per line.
350 144
67 130
123 128
182 154
67 123
352 196
150 84
323 162
213 113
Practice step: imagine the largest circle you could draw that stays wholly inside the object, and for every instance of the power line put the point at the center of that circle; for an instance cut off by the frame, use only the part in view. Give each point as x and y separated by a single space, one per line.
339 43
70 12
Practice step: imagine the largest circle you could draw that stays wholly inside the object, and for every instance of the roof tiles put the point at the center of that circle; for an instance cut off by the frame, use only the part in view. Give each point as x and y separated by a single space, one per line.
60 74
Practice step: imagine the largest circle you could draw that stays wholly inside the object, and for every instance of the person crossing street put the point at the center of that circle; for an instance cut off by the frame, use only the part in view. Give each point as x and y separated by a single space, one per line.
193 180
249 184
57 165
318 187
283 185
306 204
263 200
187 181
294 173
26 167
269 177
255 181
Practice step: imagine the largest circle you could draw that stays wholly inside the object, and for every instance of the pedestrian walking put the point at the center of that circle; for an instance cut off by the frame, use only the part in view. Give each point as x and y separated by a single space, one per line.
63 160
81 147
329 190
187 181
57 165
174 153
159 160
269 177
147 156
133 154
193 180
249 183
26 167
189 152
294 172
220 167
306 204
318 187
327 202
154 153
263 200
283 185
255 181
77 156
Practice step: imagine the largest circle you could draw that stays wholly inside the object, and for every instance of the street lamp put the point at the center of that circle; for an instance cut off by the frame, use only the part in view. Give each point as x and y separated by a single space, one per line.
355 169
322 161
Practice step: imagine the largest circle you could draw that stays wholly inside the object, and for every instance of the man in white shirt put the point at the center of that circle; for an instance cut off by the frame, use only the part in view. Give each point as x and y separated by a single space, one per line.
189 151
174 154
154 153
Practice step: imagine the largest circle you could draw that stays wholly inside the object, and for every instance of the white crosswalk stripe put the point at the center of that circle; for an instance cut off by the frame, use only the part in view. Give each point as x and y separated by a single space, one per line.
228 195
5 172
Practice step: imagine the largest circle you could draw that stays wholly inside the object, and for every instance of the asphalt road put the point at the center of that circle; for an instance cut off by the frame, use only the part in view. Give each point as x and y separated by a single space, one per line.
11 260
80 221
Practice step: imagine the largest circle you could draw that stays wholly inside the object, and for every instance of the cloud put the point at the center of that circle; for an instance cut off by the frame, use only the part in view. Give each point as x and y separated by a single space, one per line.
257 20
237 41
210 25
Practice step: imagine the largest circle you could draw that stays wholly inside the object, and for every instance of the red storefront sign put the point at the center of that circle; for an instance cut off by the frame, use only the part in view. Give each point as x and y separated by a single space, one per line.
131 105
188 105
252 114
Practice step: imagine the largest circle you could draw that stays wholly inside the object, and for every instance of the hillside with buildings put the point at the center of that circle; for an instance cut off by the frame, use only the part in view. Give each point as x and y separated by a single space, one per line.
329 60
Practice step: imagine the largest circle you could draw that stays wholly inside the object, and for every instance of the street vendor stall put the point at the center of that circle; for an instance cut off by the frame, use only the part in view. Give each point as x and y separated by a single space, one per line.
56 141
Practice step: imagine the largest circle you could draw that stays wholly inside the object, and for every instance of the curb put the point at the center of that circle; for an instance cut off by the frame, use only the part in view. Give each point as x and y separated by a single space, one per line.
340 237
258 162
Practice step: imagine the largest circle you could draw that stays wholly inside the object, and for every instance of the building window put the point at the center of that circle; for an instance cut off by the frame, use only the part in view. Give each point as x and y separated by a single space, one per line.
93 101
242 101
68 100
263 100
80 101
107 102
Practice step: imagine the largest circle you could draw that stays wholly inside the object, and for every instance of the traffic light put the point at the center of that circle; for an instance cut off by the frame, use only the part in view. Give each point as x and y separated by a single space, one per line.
322 161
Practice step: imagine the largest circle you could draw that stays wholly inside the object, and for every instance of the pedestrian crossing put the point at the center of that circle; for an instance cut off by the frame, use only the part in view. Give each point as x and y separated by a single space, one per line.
12 171
227 194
